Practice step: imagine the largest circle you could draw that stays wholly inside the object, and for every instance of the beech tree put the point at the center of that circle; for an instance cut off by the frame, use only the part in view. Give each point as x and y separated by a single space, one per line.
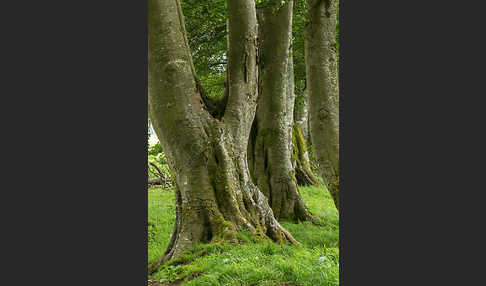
271 139
301 138
322 83
301 160
206 28
215 197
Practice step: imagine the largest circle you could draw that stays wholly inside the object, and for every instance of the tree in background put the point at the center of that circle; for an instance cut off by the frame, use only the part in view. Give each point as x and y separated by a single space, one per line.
270 143
322 84
301 137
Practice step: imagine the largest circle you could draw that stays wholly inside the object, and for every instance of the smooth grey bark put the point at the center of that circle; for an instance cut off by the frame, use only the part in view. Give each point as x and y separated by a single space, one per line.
322 82
290 103
300 155
215 197
301 113
271 139
298 131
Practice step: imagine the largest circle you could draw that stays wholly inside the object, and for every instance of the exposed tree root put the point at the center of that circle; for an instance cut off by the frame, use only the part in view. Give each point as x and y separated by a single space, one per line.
222 202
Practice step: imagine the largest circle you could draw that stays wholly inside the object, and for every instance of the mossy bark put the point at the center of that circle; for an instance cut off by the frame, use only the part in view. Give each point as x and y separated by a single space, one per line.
322 82
300 137
215 197
301 113
271 139
300 159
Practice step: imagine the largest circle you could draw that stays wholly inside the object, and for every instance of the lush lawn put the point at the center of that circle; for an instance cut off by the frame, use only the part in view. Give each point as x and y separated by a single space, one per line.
267 263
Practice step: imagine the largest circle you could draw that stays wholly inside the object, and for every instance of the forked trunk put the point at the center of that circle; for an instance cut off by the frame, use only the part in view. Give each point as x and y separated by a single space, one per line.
271 139
322 79
215 198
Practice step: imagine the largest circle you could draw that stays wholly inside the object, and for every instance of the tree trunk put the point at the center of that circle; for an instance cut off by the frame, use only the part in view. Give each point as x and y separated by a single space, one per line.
301 113
271 139
215 198
300 136
300 159
322 79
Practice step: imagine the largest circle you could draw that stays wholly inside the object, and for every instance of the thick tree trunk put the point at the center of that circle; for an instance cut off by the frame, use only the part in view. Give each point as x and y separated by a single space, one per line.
322 80
215 198
271 139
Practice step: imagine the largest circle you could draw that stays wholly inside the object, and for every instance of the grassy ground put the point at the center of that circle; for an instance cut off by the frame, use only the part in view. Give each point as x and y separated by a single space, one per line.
316 262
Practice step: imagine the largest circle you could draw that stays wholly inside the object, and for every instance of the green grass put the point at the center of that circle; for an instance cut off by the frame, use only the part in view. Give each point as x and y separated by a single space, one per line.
316 262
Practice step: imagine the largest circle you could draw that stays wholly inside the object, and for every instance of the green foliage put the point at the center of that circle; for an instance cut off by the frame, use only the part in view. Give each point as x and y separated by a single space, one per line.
155 149
250 263
157 157
214 84
161 162
206 32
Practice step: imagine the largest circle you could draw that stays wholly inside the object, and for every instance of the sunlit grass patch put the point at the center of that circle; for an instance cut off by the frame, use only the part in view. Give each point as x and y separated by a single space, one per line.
316 262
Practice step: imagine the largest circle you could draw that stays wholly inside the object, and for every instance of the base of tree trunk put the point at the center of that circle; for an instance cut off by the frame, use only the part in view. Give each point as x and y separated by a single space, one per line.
216 199
276 178
304 176
208 224
334 191
286 201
